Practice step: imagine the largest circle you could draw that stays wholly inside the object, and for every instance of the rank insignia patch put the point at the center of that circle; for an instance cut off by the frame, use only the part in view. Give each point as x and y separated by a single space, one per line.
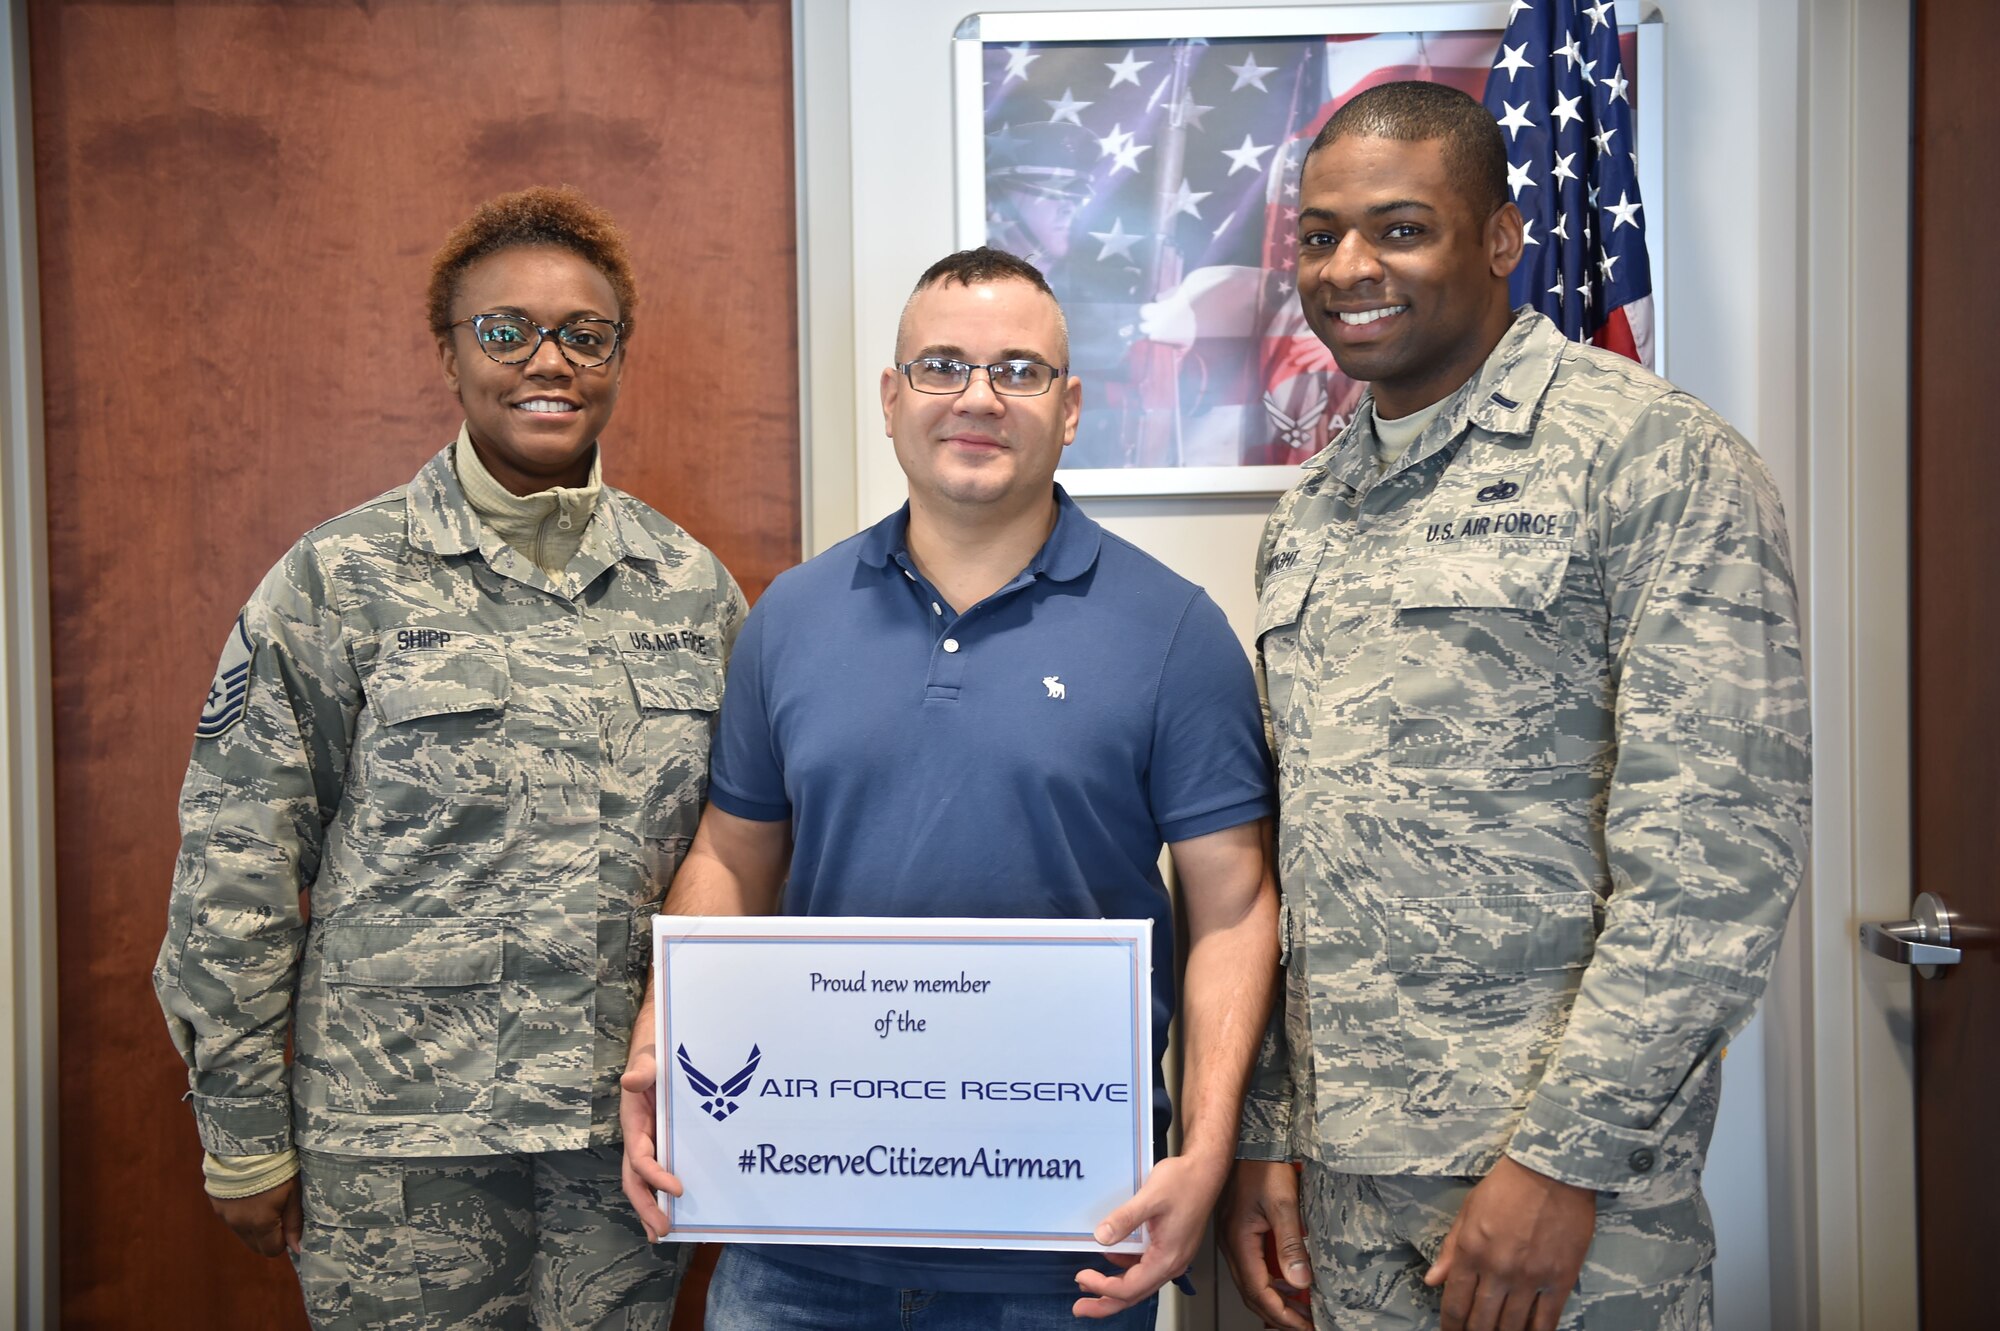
230 689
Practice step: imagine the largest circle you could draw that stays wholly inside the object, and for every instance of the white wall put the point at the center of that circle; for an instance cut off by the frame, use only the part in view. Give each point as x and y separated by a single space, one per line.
1732 230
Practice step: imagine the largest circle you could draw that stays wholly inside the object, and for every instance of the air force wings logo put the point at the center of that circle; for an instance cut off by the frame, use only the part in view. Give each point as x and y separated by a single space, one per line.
223 707
719 1099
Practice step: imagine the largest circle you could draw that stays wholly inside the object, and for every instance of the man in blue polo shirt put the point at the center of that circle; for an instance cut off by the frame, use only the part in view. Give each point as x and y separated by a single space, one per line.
986 705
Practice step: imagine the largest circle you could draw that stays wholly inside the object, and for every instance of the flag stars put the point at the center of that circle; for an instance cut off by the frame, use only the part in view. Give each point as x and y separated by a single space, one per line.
1190 112
1250 74
1513 59
1128 156
1517 7
1112 143
1065 109
1625 211
1597 13
1247 157
1562 169
1126 70
1517 178
1571 52
1117 242
1515 120
1604 139
1565 109
1185 199
1615 88
1606 262
1528 232
1018 61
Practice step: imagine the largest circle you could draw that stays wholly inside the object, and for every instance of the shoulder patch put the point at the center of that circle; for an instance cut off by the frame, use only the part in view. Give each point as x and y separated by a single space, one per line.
230 689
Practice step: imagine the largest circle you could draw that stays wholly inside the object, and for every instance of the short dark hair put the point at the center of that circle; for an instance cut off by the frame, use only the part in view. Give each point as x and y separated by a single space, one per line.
975 267
1475 153
539 216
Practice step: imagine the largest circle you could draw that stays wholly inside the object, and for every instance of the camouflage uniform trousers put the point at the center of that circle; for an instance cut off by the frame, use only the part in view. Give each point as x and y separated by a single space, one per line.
479 1243
1372 1237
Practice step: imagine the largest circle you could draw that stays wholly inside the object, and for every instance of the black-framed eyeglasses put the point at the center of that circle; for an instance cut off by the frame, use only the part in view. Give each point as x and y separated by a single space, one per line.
512 339
1009 378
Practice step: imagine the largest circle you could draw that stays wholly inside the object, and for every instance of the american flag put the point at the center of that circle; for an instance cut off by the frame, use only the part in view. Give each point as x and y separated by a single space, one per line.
1560 91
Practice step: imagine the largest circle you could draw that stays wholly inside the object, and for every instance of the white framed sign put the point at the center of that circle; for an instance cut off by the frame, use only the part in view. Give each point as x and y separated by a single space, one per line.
904 1082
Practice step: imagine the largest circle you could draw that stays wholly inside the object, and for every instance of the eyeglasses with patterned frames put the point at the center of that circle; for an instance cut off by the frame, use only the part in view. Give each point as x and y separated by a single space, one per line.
511 339
1008 378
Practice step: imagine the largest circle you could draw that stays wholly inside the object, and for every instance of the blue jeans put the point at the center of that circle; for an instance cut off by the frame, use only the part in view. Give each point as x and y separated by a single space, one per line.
750 1292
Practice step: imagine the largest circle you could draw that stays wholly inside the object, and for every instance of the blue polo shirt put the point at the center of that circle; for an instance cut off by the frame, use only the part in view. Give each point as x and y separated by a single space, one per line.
1025 756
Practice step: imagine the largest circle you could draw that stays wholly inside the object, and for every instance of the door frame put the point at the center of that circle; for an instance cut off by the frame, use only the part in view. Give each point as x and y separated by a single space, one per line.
1841 1073
28 1269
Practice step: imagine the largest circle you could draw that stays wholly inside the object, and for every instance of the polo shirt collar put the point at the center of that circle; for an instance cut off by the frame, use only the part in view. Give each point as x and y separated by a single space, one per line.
1068 553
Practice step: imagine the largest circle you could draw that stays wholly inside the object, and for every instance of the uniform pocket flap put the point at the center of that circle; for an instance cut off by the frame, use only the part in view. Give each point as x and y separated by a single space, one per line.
1288 576
414 955
1496 935
1504 578
464 674
1281 602
674 686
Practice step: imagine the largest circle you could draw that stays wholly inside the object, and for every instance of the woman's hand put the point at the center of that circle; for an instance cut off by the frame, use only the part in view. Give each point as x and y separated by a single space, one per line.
268 1222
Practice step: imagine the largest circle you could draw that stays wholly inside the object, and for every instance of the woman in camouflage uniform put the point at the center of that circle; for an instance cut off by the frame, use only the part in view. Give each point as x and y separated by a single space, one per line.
469 722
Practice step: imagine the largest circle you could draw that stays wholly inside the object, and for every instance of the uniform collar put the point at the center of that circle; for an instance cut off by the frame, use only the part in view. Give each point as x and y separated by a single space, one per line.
1502 399
1068 553
442 521
441 518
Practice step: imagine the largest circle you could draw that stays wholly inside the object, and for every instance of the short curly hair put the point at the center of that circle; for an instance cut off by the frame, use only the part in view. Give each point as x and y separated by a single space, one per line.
540 216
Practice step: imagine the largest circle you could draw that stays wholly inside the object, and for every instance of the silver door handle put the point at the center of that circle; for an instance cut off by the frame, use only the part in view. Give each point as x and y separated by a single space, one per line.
1924 940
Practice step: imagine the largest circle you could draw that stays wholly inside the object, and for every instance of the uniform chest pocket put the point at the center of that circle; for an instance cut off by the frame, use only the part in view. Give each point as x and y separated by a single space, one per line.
432 760
666 754
1478 643
1288 580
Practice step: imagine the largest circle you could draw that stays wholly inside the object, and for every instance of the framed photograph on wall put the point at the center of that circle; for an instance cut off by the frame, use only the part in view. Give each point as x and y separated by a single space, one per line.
1148 161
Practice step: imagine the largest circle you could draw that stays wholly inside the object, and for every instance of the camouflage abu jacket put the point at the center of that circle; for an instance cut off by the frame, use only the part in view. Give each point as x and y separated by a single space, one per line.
486 777
1540 722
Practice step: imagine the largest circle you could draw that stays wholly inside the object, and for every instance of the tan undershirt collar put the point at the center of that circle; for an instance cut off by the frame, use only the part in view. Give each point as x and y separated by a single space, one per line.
546 526
1394 437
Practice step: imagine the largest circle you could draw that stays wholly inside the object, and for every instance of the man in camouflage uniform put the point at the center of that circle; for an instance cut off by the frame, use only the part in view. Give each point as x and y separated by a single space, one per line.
486 772
1539 715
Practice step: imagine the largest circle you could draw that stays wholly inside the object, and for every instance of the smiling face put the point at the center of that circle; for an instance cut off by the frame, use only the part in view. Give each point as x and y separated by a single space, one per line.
532 424
1402 277
977 450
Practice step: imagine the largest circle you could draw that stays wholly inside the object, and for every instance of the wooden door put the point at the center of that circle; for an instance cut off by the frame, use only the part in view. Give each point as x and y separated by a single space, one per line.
236 204
1955 483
